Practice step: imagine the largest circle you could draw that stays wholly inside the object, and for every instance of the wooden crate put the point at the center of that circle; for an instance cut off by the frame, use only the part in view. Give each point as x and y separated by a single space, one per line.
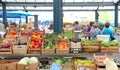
82 67
6 50
20 49
60 51
67 66
27 67
75 50
48 51
26 32
8 60
23 39
112 49
12 40
7 65
34 50
91 46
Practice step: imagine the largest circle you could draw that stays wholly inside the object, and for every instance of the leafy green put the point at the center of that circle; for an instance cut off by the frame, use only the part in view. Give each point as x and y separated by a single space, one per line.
49 41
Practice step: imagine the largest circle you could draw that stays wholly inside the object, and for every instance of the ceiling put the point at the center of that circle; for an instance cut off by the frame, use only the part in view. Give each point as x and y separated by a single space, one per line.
68 5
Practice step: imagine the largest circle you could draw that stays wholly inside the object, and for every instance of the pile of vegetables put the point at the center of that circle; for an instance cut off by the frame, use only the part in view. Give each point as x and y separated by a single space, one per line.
68 34
49 41
62 42
106 43
59 60
36 40
27 60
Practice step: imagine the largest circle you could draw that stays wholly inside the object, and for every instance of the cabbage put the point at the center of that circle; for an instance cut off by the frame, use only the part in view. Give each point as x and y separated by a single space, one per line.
33 60
24 61
105 43
114 43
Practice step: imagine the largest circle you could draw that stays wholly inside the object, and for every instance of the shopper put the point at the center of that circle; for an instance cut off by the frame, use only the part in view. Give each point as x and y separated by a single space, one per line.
107 31
89 29
78 26
96 31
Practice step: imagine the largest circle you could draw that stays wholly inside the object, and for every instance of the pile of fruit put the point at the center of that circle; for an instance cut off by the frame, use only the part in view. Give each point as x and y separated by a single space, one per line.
36 40
83 62
5 44
106 43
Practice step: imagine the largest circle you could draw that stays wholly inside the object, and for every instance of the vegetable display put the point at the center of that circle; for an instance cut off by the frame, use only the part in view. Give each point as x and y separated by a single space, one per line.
27 60
36 40
49 41
59 60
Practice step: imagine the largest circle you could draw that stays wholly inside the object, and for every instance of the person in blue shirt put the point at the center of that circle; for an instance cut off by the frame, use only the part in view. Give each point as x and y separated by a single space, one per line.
108 31
96 31
78 26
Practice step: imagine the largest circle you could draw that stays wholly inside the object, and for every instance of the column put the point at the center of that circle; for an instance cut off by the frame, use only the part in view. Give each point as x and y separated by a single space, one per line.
36 22
26 18
116 15
4 15
58 16
96 16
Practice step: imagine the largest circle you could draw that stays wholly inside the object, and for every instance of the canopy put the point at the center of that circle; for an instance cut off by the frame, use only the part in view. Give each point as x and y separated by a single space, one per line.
15 14
19 13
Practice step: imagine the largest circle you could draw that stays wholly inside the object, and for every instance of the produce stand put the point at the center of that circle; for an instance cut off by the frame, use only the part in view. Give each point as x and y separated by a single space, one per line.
46 47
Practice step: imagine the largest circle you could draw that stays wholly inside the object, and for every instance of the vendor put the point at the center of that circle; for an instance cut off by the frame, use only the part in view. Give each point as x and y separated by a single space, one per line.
12 29
108 31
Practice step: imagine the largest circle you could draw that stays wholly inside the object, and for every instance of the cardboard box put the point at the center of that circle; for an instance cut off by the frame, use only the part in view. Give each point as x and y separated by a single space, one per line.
27 67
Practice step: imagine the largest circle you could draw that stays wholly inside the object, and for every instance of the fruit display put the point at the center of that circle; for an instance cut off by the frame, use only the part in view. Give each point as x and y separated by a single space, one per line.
106 43
36 40
6 44
62 45
83 62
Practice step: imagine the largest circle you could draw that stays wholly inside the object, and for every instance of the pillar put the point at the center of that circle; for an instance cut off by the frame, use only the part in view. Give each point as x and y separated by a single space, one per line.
116 15
36 22
4 15
96 16
58 16
26 19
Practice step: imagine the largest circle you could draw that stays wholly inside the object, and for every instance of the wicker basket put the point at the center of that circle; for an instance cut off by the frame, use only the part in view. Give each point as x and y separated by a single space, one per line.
20 49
